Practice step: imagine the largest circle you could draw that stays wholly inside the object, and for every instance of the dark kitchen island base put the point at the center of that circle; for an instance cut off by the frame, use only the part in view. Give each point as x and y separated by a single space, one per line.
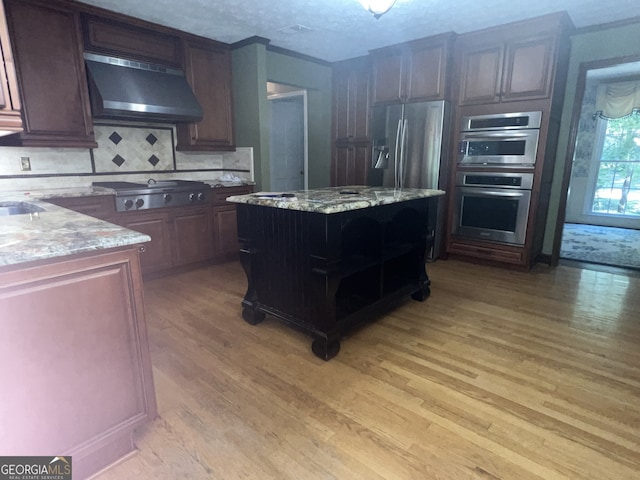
325 273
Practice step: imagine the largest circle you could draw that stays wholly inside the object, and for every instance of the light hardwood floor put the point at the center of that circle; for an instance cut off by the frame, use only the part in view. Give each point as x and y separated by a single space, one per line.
498 375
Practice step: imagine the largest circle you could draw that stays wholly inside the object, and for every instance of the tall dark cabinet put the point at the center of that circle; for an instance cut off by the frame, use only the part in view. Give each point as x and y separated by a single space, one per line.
518 67
351 155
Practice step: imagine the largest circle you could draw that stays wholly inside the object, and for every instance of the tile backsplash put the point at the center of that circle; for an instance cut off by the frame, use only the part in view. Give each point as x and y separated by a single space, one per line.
124 153
133 149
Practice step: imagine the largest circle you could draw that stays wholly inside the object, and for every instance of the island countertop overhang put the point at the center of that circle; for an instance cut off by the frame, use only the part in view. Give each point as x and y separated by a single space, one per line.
330 200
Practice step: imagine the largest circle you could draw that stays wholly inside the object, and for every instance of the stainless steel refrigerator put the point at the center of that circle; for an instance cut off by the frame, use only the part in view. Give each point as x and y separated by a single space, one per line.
410 150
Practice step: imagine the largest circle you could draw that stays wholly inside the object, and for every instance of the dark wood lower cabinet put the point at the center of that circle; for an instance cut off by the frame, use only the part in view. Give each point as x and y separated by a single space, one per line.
74 359
225 231
191 229
157 253
179 236
350 164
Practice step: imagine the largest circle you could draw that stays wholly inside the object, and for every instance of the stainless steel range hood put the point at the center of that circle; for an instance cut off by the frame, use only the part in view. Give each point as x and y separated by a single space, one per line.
128 90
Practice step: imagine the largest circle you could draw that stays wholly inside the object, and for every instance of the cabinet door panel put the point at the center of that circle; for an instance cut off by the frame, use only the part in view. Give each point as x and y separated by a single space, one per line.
341 118
426 73
157 253
225 231
208 69
192 236
51 74
351 100
528 69
387 75
111 37
351 164
481 75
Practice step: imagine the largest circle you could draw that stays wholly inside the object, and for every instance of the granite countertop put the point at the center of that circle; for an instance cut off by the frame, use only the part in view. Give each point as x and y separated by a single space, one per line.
334 199
53 231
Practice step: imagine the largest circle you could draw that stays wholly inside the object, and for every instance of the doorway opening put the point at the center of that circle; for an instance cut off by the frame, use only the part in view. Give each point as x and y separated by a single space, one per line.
288 139
602 213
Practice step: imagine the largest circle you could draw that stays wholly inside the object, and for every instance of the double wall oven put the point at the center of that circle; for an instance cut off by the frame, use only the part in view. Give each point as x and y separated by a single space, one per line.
494 176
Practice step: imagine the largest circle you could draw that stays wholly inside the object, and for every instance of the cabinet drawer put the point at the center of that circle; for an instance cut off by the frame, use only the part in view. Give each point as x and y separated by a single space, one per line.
486 252
111 37
220 194
100 206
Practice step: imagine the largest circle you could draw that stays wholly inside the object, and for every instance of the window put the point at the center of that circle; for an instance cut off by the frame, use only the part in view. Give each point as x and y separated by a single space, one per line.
617 184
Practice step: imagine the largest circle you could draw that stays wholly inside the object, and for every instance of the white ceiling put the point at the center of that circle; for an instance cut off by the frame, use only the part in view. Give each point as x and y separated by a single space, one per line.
340 29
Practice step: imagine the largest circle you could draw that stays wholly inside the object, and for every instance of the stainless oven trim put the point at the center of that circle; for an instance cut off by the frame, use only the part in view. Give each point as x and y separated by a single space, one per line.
535 121
500 236
527 160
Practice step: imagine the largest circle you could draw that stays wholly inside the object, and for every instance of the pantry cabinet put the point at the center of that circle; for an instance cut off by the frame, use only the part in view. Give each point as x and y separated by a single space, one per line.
351 146
51 78
351 79
509 63
413 71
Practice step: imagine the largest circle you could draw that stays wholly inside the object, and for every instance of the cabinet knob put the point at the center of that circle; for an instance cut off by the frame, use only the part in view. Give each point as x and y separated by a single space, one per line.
142 249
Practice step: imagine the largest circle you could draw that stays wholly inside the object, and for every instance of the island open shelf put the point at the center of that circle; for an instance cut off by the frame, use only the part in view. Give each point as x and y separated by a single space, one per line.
324 262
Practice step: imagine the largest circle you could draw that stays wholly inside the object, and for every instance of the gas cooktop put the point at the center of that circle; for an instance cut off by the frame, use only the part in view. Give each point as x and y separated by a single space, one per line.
131 196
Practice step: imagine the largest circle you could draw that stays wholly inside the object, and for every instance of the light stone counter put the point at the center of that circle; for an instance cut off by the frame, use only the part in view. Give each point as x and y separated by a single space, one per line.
334 199
54 231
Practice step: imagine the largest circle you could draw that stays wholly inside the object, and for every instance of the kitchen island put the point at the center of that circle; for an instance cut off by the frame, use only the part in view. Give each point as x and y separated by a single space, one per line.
74 355
327 259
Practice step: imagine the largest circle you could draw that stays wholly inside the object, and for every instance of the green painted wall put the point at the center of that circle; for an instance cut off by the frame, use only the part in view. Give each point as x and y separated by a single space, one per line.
253 67
316 80
251 108
586 47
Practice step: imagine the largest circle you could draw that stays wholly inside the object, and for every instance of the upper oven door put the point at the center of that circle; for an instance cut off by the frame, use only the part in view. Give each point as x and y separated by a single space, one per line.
510 148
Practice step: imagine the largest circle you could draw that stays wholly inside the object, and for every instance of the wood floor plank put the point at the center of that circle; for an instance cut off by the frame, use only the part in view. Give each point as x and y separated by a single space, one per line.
498 375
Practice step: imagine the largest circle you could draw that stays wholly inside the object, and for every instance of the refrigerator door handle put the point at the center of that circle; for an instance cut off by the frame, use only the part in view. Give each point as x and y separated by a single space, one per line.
403 153
396 157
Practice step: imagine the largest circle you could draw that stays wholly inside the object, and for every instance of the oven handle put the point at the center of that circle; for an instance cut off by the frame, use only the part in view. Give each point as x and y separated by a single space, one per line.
509 134
494 192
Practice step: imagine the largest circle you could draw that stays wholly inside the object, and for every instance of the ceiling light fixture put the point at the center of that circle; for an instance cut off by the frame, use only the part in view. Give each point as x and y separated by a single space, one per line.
377 8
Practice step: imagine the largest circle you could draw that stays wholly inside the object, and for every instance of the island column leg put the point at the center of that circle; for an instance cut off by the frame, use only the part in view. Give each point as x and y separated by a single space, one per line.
250 312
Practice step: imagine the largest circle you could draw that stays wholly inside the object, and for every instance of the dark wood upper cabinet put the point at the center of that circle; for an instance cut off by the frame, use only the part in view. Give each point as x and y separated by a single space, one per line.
111 37
51 76
509 63
208 70
351 100
413 71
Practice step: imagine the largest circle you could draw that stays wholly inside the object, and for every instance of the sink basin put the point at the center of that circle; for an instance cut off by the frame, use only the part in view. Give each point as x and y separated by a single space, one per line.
18 208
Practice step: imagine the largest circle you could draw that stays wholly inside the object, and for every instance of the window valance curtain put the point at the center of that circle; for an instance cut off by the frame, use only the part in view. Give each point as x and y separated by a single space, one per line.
617 100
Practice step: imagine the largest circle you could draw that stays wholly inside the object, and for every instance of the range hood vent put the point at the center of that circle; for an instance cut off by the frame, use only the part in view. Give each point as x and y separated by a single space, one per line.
128 90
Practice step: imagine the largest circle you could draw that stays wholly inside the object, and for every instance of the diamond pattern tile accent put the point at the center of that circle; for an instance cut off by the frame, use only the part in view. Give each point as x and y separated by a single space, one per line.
151 138
115 138
118 160
153 160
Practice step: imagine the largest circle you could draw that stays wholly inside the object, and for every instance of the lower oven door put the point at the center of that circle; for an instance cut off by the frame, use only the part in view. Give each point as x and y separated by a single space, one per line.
493 214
